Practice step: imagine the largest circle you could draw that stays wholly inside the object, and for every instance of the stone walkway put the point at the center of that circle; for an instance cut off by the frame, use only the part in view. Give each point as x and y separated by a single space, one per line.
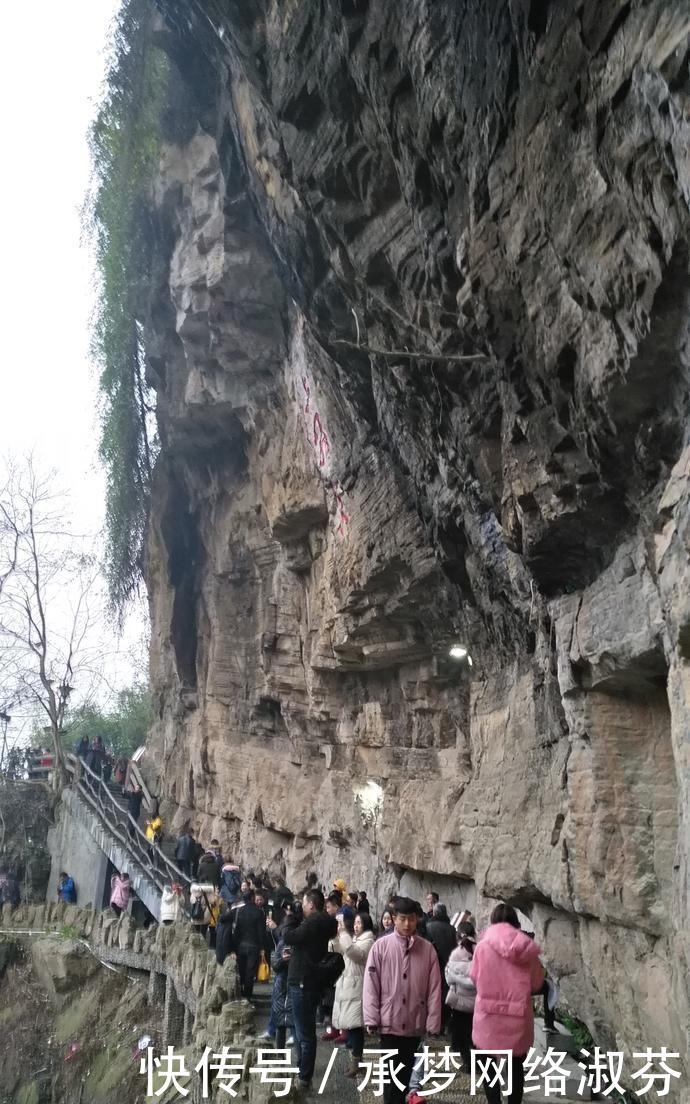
339 1089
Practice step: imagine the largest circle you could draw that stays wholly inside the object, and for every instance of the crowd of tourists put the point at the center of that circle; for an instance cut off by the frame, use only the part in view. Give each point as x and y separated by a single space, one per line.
400 981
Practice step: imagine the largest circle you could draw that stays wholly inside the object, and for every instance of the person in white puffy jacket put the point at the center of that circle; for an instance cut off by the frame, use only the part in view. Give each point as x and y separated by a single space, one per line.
461 992
171 908
348 1014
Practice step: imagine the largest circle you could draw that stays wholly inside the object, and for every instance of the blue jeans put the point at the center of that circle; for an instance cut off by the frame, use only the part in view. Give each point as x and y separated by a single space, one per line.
304 1005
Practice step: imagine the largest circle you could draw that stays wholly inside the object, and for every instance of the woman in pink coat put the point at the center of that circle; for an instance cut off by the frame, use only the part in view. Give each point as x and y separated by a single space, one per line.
120 887
506 971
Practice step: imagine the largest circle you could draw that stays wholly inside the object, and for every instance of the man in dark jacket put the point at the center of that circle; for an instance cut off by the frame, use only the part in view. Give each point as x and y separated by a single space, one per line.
184 851
442 934
224 943
309 943
248 939
209 869
444 937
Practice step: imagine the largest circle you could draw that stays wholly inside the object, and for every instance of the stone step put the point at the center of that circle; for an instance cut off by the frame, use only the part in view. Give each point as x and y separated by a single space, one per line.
562 1043
562 1040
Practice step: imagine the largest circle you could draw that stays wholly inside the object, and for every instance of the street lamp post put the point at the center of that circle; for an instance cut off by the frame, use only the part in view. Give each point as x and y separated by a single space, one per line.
4 721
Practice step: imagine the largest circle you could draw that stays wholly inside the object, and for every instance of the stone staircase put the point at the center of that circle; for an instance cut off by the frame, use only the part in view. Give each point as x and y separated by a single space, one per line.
102 809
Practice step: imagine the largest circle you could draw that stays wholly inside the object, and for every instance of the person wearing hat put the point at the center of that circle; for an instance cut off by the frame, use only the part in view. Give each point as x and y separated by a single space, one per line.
340 886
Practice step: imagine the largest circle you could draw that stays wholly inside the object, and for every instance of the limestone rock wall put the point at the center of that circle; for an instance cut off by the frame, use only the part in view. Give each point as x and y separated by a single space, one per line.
499 193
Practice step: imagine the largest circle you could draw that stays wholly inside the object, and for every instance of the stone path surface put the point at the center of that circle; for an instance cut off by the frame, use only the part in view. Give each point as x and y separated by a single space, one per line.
342 1090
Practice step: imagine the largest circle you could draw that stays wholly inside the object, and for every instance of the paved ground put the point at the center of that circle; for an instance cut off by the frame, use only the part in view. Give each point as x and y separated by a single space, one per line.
342 1090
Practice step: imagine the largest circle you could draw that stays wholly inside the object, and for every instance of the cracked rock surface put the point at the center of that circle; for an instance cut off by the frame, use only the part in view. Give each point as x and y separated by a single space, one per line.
419 334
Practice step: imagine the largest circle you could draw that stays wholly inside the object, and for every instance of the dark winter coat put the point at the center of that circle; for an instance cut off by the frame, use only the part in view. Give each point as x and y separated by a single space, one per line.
230 882
184 848
309 943
249 927
224 943
444 938
208 870
281 1004
134 800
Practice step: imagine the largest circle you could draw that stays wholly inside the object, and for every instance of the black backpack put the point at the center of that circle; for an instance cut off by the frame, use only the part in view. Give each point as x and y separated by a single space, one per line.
328 970
198 911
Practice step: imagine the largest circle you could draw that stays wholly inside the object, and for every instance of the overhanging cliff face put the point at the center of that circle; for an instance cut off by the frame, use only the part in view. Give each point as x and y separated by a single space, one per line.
507 183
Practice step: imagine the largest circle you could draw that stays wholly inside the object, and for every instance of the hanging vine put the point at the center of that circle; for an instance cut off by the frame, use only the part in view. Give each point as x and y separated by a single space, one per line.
125 144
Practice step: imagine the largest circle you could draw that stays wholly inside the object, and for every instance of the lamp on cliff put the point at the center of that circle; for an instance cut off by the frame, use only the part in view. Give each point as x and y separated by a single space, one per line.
459 652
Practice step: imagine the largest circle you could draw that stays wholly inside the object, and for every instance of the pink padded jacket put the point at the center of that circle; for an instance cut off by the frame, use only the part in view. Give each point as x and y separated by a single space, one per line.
506 971
402 987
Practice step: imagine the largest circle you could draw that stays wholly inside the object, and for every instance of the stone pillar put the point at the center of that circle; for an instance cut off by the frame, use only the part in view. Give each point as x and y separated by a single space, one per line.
156 993
173 1016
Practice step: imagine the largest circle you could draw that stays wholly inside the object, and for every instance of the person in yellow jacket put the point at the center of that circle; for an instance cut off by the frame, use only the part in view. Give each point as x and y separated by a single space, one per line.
212 913
154 829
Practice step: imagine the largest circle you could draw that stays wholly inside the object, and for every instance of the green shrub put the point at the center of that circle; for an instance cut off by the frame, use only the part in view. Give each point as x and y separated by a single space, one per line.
69 931
577 1028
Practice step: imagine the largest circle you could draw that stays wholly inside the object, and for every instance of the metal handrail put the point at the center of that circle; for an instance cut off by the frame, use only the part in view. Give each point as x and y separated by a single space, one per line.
119 821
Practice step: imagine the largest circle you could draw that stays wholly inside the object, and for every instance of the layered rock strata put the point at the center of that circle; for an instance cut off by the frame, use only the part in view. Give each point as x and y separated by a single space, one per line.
419 334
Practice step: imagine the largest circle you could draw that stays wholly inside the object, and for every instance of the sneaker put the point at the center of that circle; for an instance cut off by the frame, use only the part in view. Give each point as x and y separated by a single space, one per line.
550 1031
266 1035
329 1035
290 1040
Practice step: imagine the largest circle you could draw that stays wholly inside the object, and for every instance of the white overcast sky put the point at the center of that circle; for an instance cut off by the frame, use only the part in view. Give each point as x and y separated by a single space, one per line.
51 71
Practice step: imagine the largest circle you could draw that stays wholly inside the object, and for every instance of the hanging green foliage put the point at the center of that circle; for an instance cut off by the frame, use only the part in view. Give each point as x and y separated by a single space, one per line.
125 144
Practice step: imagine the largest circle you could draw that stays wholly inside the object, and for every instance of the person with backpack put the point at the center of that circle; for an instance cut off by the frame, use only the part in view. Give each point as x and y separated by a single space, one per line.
200 907
354 943
230 882
66 889
209 869
309 948
402 994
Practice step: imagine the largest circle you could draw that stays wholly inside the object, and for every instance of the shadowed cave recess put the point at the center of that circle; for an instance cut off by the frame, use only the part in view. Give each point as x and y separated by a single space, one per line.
419 337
